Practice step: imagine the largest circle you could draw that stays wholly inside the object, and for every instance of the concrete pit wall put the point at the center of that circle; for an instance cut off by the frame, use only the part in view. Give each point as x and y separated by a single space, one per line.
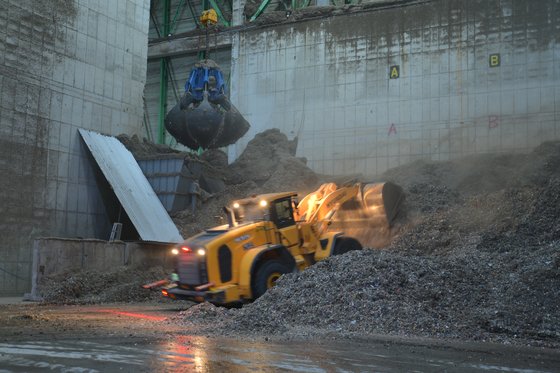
368 91
64 65
53 256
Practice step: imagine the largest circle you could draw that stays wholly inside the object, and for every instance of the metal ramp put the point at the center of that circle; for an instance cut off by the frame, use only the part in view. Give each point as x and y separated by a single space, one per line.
131 187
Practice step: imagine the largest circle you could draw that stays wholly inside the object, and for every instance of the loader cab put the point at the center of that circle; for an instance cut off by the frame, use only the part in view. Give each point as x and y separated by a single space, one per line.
282 212
275 207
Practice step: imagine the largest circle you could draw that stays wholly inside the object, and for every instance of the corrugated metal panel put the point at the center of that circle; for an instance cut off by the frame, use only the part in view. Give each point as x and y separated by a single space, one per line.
132 188
169 180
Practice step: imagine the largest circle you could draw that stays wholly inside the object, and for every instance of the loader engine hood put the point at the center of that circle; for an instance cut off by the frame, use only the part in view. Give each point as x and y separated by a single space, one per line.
202 239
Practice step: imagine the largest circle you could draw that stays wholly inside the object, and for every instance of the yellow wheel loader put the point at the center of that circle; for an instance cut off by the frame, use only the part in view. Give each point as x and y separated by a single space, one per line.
272 234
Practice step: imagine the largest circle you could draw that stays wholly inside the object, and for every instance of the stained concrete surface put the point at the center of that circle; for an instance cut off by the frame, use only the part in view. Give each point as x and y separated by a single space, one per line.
10 300
64 65
137 337
328 81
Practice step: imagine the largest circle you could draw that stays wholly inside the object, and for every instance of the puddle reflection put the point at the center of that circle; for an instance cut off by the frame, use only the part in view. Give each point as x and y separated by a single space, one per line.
201 355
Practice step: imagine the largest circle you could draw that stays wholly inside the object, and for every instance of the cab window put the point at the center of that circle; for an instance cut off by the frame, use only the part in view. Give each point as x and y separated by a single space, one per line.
282 213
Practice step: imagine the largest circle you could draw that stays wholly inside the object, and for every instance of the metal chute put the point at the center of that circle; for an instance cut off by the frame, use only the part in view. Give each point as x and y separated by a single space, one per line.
205 118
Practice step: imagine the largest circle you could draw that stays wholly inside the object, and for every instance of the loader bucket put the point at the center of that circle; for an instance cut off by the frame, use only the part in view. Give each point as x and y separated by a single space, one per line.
383 199
369 218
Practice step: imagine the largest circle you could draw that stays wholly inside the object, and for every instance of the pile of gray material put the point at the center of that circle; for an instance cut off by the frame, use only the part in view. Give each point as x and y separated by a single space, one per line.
268 164
90 287
270 161
145 148
476 258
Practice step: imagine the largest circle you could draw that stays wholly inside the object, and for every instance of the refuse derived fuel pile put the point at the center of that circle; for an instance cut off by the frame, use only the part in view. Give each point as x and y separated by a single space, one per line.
267 165
475 257
91 287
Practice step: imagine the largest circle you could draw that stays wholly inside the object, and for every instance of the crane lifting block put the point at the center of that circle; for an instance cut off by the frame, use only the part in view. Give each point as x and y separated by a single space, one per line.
209 17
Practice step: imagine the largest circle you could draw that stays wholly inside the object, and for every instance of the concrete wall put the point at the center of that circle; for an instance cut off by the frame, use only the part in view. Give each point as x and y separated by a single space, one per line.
64 65
328 82
54 255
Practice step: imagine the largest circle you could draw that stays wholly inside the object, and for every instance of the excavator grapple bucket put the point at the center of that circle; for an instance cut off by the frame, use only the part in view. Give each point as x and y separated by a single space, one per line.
205 118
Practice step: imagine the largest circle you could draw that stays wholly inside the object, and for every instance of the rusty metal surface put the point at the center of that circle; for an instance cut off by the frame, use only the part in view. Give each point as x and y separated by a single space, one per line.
131 188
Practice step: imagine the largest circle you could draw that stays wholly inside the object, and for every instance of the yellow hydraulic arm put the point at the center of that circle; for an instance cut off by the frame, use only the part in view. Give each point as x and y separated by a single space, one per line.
320 206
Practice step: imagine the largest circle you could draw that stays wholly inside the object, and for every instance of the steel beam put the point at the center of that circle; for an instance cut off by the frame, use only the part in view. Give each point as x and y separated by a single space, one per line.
219 12
261 9
174 23
186 45
163 77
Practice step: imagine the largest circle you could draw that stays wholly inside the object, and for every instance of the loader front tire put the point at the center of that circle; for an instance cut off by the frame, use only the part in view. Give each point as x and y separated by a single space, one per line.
346 244
266 276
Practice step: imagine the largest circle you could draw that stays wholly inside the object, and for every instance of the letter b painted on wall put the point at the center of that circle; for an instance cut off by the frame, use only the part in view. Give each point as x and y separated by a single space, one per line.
494 60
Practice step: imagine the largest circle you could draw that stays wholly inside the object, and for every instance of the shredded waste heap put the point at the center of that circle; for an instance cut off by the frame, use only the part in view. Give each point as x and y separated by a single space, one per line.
477 258
268 164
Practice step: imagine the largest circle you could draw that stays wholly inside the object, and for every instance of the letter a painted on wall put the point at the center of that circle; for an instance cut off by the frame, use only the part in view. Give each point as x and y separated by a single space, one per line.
495 60
392 129
394 72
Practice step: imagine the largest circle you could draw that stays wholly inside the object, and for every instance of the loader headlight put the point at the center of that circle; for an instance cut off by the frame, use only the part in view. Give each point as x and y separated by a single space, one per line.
175 251
201 252
263 203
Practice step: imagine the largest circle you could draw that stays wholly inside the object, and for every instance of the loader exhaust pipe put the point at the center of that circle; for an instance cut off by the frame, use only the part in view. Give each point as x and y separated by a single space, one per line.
230 217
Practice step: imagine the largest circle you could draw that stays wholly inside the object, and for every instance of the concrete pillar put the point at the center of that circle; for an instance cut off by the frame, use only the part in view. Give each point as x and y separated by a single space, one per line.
238 19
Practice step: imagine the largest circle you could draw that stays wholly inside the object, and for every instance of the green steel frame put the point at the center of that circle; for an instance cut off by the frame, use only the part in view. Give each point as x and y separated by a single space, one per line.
169 26
219 12
163 76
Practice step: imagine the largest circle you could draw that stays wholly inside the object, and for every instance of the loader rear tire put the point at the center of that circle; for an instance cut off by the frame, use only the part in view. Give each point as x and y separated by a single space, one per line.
266 276
346 244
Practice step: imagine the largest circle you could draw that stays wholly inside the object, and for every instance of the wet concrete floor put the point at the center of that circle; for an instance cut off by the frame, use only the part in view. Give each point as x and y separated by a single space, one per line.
199 354
128 338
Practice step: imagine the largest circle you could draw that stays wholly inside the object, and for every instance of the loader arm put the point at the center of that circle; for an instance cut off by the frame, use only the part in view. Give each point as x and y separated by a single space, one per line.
324 208
379 203
308 205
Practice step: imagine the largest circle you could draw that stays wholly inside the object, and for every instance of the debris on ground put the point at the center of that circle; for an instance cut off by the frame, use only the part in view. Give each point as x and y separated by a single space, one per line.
122 284
477 257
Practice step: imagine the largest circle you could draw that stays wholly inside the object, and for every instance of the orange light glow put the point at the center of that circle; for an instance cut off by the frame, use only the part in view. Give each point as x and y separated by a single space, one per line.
186 249
165 293
133 314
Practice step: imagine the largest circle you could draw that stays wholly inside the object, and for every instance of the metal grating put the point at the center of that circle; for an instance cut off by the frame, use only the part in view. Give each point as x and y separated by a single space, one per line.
189 269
